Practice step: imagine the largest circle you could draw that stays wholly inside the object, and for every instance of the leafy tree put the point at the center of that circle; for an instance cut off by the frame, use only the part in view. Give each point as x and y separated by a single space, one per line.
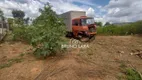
49 31
19 17
107 23
26 20
46 34
11 22
99 24
18 14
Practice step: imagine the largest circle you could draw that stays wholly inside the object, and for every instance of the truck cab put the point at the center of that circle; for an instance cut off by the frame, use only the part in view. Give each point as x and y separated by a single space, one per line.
78 25
83 27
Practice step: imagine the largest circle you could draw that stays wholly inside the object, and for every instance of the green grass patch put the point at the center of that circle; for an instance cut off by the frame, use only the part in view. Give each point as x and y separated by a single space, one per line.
132 74
128 29
5 65
129 73
10 62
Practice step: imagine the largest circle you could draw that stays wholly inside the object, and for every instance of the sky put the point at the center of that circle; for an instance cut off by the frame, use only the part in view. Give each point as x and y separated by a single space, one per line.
114 11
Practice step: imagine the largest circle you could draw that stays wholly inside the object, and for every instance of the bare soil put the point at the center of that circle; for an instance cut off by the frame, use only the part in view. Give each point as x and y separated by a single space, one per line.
101 61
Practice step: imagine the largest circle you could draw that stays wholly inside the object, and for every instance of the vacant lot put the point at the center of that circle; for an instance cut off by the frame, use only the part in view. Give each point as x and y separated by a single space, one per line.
102 61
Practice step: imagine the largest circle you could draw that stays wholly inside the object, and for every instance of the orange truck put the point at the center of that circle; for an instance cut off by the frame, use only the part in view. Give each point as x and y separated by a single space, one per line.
79 26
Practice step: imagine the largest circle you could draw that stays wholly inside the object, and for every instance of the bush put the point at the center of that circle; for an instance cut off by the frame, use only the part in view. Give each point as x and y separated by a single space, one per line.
46 36
129 73
23 33
132 74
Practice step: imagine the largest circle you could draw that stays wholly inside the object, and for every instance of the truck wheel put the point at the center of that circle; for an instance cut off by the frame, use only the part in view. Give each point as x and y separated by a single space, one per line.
69 35
87 39
84 39
92 38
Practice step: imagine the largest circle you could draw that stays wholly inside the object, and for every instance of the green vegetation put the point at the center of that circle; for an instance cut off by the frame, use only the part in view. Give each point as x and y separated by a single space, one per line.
129 73
132 74
19 19
133 28
45 35
49 31
18 14
23 33
99 24
11 62
107 23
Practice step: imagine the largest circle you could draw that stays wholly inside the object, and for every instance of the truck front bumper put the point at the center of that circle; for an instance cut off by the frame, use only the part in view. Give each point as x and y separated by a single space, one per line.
92 33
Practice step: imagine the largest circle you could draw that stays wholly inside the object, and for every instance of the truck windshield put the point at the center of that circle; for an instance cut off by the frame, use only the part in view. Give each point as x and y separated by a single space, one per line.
87 21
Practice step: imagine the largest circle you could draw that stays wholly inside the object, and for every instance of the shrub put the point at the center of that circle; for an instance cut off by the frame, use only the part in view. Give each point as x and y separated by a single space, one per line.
46 36
129 73
132 74
23 33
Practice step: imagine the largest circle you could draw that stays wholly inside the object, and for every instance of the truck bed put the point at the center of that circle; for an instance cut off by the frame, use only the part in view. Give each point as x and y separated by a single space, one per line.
68 16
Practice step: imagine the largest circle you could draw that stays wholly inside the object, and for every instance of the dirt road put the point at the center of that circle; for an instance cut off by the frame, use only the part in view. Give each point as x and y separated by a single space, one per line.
101 61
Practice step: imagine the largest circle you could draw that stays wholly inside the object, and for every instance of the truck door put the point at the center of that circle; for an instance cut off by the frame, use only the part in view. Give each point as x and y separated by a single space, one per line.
75 26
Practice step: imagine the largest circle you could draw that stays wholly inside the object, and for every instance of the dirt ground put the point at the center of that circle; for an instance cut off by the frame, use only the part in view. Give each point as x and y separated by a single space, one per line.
101 61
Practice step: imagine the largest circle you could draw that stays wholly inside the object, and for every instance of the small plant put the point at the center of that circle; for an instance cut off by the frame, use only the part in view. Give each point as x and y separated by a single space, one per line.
11 62
5 65
21 55
16 60
129 73
132 74
123 66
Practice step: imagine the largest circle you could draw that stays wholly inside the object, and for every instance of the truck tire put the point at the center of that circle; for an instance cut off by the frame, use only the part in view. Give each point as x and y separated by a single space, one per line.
92 38
83 38
87 39
69 34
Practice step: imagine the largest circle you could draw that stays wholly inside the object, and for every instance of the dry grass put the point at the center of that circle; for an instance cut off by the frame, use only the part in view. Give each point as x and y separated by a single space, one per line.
101 61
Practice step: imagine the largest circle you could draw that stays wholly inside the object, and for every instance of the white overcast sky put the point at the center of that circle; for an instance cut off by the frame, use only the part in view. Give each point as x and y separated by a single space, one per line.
110 10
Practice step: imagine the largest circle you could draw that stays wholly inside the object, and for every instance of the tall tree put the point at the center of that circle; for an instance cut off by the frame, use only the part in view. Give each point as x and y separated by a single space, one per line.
18 14
99 24
107 23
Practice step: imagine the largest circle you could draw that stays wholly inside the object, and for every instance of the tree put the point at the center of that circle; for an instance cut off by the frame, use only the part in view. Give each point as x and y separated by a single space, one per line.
19 17
11 22
107 23
18 14
48 33
99 24
26 20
